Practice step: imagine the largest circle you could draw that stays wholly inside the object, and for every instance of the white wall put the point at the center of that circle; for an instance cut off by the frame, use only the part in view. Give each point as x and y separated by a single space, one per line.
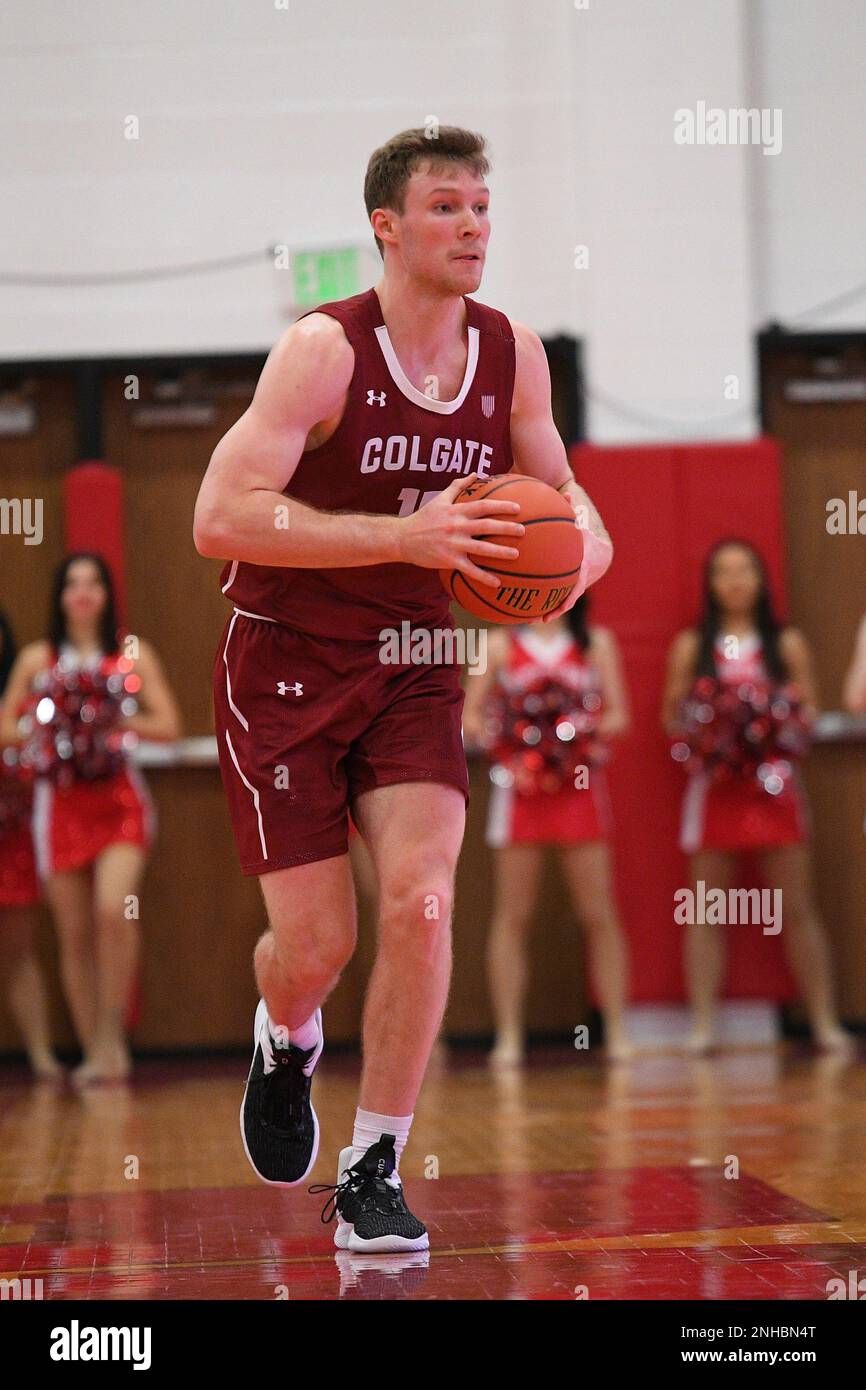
256 125
810 210
666 296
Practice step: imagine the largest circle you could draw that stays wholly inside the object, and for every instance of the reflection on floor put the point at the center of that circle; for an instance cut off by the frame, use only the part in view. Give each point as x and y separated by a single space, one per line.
737 1176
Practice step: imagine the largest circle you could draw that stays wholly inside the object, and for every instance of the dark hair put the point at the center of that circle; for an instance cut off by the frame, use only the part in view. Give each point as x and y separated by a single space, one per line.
763 616
391 166
57 629
8 650
577 618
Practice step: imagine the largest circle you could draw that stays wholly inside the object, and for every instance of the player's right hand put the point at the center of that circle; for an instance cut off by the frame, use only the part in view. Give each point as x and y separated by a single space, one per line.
444 533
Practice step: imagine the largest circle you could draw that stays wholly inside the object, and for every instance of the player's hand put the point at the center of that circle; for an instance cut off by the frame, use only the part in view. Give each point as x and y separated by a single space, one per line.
444 533
564 606
597 554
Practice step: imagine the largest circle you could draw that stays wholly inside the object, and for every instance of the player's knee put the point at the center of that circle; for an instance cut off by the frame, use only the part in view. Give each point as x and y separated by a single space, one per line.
309 958
417 900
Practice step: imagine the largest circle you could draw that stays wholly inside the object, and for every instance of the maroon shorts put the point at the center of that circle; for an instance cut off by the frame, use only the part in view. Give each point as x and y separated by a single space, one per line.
305 724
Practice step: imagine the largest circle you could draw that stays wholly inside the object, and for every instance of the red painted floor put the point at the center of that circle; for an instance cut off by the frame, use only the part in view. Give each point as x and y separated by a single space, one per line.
658 1231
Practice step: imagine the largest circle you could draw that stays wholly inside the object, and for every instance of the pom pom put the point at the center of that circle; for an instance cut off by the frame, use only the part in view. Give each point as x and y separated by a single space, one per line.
71 722
538 734
752 730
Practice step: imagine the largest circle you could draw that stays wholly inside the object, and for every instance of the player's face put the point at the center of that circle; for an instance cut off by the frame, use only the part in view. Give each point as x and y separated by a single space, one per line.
84 594
444 228
735 580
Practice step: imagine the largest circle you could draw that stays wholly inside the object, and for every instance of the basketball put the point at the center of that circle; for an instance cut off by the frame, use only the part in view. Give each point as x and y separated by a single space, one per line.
542 575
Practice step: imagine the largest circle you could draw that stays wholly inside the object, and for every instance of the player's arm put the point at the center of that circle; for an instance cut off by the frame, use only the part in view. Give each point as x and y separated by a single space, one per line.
539 451
242 512
679 677
616 718
479 687
854 690
797 656
28 662
159 718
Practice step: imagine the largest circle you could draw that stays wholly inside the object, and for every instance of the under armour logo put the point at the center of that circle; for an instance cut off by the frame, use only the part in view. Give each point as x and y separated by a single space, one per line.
284 689
373 397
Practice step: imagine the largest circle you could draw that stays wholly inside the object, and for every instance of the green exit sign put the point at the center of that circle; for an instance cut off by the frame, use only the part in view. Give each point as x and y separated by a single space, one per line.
320 276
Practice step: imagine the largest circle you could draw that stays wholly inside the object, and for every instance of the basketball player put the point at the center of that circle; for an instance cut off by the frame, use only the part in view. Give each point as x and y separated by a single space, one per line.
333 500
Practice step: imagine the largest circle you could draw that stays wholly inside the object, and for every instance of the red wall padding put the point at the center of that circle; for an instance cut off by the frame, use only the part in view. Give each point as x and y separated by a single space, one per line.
664 506
93 504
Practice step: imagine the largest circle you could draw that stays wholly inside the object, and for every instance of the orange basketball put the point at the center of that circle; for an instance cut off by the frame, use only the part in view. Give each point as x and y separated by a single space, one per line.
543 574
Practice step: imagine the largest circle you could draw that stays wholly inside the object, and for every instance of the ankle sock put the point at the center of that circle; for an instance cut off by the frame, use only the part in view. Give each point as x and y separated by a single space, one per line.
369 1128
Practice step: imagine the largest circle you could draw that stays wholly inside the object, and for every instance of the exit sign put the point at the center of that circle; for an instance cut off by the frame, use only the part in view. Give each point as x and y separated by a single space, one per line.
319 276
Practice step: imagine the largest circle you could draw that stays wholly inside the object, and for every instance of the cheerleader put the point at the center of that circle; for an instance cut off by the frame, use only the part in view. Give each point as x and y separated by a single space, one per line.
92 836
739 640
575 817
19 894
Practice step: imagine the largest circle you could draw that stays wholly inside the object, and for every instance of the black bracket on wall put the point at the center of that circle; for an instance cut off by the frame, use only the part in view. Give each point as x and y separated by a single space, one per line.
563 354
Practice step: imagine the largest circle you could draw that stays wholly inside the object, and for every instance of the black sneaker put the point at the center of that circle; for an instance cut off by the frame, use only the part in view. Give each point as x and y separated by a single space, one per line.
279 1127
368 1201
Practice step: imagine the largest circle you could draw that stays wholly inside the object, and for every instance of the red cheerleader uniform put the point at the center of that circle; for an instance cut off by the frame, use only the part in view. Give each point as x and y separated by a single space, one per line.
19 884
73 825
738 814
571 815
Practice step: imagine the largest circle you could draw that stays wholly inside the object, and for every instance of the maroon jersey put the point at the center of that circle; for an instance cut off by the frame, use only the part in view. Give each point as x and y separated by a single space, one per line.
393 450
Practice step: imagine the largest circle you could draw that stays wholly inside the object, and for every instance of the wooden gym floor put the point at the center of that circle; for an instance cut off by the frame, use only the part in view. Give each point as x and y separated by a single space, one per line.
737 1176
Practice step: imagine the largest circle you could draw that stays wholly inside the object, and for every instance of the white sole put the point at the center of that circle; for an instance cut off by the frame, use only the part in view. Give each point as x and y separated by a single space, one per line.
385 1245
345 1238
261 1019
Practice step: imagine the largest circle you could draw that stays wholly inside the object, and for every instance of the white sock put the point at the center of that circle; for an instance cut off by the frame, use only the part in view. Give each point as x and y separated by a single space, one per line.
305 1036
369 1128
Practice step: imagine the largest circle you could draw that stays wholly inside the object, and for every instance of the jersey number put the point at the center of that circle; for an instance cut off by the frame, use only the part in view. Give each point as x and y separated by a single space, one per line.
409 500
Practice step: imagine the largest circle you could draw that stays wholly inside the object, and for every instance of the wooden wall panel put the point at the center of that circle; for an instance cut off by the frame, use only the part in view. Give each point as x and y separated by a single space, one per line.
836 782
173 593
824 456
33 466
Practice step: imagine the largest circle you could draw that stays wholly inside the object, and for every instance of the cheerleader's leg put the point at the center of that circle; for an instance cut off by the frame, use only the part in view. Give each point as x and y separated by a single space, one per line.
588 872
705 951
117 874
789 868
68 894
515 874
25 990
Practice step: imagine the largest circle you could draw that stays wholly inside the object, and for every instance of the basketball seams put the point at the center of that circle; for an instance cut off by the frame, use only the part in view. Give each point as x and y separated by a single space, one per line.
494 606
